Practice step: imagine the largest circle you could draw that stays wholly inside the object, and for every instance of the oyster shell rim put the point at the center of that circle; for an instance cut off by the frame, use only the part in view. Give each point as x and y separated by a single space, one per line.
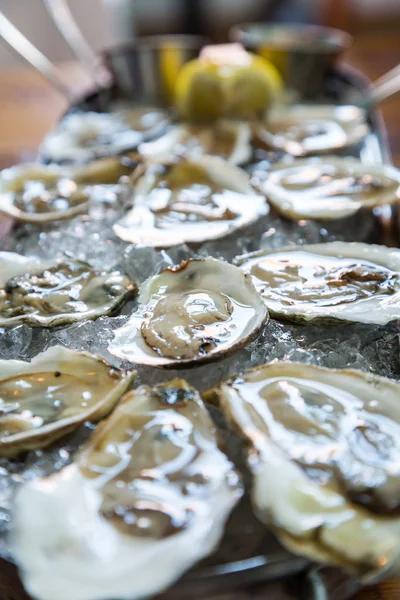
284 207
88 155
361 128
170 363
45 435
8 208
240 155
215 167
300 544
323 316
214 513
37 266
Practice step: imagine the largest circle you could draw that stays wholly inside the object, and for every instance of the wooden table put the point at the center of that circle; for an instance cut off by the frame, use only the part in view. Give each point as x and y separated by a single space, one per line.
29 107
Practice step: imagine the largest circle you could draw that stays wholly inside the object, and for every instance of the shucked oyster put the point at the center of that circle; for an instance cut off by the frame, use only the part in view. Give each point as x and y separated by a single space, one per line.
192 201
35 193
230 140
147 498
42 400
198 311
330 188
57 292
312 129
84 136
324 452
334 281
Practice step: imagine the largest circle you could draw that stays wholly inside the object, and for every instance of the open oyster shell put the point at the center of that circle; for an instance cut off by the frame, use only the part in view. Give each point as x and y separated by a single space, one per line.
330 188
50 293
303 130
84 136
192 201
52 395
35 193
146 499
323 447
199 311
331 282
230 140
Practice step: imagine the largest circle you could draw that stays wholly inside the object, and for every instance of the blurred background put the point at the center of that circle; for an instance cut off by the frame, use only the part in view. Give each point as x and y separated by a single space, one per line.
375 25
210 17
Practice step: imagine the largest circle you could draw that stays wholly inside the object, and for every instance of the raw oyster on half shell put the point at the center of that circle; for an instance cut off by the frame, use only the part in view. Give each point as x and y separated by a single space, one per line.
192 201
323 448
230 140
200 310
84 136
57 292
145 500
331 282
329 188
303 130
35 193
55 393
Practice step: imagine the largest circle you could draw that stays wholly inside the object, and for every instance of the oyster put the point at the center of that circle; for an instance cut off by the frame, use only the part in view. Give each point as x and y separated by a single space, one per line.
201 310
323 450
191 201
303 130
43 400
35 193
84 136
330 188
230 140
47 294
328 282
146 499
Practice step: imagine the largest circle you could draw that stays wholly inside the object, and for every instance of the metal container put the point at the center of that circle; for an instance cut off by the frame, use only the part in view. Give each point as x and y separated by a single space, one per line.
146 70
303 54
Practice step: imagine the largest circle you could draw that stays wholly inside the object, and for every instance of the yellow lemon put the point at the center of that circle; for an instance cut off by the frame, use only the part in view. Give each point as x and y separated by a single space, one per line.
226 82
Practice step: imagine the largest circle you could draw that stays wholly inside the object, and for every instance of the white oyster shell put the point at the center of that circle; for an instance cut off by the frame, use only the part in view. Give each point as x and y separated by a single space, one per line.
50 293
201 310
146 499
323 450
303 130
192 201
334 281
52 395
35 193
330 188
84 136
230 140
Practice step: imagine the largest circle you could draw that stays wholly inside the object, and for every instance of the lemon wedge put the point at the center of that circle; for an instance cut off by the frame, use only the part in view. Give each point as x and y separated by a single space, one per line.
226 81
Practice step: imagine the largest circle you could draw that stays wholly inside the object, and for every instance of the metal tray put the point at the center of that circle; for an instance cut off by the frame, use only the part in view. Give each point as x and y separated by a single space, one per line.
258 564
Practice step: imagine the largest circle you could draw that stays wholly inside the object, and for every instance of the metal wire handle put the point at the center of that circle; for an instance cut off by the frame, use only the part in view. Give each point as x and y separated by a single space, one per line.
63 19
385 87
24 48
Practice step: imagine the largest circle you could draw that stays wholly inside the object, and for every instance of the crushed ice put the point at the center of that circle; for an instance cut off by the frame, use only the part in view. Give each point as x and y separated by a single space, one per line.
91 238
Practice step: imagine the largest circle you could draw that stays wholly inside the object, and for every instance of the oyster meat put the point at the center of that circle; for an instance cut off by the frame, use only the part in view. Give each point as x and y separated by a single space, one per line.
201 310
193 201
145 500
85 136
323 448
230 140
47 294
55 393
303 130
328 282
330 188
35 193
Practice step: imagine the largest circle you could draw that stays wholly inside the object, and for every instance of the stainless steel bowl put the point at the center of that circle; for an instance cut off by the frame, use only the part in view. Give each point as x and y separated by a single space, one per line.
303 54
147 69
